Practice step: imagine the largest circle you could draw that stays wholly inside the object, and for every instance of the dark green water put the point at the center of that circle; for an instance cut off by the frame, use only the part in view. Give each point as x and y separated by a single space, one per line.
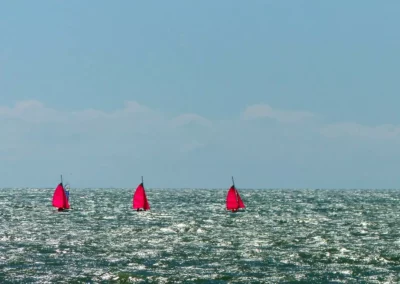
284 236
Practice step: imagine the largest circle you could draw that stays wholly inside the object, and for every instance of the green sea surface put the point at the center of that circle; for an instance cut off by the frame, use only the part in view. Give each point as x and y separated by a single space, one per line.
283 236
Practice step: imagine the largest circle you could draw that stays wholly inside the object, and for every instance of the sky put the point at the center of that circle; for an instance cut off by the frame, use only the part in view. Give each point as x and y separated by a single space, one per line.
279 94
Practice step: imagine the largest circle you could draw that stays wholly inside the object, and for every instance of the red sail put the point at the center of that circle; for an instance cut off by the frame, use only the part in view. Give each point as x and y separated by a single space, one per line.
140 198
231 200
240 201
60 199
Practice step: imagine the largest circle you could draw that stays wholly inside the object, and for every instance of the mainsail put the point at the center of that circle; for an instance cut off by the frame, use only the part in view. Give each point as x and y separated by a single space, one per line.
140 199
233 199
60 199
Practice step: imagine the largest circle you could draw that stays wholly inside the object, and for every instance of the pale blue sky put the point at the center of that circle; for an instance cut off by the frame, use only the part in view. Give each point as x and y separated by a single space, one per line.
277 93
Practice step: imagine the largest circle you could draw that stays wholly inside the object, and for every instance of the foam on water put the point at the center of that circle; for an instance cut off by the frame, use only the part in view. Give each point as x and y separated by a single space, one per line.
342 236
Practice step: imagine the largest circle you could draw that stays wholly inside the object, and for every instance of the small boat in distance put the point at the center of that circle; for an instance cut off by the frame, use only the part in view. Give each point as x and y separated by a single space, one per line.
60 198
139 201
233 199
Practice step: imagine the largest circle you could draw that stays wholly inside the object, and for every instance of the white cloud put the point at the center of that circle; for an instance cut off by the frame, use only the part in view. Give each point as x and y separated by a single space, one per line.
106 146
285 116
134 118
20 108
30 111
131 109
132 128
192 145
385 131
36 112
189 118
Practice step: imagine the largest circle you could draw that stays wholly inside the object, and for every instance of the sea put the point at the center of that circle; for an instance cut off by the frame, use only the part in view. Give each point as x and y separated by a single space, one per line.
283 236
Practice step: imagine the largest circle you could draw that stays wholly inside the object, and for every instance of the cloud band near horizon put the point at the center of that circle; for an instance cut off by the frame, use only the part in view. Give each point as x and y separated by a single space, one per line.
140 138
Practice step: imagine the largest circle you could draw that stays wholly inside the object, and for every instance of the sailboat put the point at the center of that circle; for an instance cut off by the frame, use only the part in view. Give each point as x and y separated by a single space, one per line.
139 201
60 198
233 199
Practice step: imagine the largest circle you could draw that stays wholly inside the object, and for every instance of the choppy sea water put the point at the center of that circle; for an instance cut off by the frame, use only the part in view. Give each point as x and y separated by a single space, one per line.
284 236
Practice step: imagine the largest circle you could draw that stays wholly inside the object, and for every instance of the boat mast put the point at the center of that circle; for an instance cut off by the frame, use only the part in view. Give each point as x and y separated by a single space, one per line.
236 192
61 179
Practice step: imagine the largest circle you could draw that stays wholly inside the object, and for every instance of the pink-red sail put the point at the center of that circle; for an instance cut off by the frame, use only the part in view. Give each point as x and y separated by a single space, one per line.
233 199
140 199
60 199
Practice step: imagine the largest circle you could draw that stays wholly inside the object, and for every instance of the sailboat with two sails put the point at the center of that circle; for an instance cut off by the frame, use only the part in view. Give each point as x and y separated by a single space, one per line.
233 200
139 201
60 197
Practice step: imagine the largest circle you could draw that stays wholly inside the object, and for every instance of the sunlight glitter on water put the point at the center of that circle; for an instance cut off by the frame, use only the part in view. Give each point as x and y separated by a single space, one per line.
283 236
